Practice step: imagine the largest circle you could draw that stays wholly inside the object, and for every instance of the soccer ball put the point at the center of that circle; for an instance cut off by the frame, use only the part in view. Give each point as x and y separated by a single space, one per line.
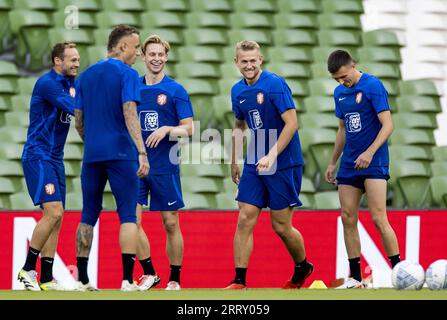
408 275
436 275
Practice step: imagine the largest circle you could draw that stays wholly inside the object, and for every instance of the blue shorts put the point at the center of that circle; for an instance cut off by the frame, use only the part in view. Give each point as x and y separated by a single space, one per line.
356 178
277 191
45 181
165 190
123 179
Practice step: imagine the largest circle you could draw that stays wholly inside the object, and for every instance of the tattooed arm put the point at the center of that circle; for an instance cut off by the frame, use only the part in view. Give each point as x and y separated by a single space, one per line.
79 123
133 126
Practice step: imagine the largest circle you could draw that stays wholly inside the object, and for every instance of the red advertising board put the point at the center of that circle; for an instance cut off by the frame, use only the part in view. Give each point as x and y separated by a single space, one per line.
208 237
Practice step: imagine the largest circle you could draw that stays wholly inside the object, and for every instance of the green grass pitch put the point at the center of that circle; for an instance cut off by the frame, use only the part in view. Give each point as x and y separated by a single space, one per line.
219 294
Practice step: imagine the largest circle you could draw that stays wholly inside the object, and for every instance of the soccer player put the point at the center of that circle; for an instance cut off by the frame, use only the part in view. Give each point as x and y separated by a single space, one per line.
165 114
107 121
52 105
365 124
273 166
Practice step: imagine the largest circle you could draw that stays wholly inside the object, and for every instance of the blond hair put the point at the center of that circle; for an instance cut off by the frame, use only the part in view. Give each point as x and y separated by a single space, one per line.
156 39
247 45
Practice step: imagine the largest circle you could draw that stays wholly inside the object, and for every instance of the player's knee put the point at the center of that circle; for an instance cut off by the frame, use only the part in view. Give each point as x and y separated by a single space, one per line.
245 223
170 225
381 223
280 228
54 212
348 218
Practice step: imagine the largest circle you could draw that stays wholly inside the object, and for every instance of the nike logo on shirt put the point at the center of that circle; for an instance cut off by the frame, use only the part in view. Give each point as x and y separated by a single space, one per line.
242 101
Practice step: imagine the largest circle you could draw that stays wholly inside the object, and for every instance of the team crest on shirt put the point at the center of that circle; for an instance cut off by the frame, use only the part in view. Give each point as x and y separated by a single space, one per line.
353 122
162 99
359 97
149 120
66 117
255 118
260 98
49 189
72 92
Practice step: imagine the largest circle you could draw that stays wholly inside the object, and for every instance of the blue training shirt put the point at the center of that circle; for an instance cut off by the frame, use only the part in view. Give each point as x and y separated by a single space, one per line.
51 108
261 106
163 104
358 106
103 89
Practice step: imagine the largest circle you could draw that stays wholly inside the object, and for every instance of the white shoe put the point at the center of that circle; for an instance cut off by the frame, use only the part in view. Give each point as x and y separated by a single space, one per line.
52 285
85 287
29 279
351 283
129 287
148 281
173 285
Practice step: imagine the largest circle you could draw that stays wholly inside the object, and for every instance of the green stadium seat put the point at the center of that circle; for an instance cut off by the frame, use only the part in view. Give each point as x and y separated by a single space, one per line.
109 19
108 201
381 38
263 37
225 85
379 54
294 37
198 86
153 19
101 37
168 5
322 87
174 37
13 134
82 5
347 6
423 87
222 6
72 168
318 120
286 54
250 20
230 73
11 151
339 38
315 104
223 111
203 170
6 186
392 87
74 185
21 102
319 70
5 28
119 5
424 104
85 20
17 118
21 201
381 70
10 168
26 85
73 201
296 21
41 5
290 70
414 120
229 186
327 200
197 70
416 137
73 137
226 201
305 6
209 153
439 153
73 151
409 152
207 20
410 184
438 187
201 92
8 70
200 54
339 21
195 201
8 86
96 53
211 37
439 168
307 186
33 47
307 200
266 6
299 89
5 105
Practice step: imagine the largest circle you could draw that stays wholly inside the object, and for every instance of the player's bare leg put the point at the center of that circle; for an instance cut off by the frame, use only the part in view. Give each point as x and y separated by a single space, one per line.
150 277
281 221
84 240
52 216
128 240
243 242
174 246
350 202
376 193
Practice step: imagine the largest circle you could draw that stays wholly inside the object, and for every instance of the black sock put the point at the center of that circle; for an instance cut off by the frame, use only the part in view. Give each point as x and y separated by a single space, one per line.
82 263
301 270
148 267
31 259
394 259
241 274
175 273
354 266
46 269
128 264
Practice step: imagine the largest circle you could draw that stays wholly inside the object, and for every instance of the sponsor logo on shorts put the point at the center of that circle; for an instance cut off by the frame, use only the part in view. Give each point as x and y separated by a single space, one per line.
260 98
50 189
149 120
162 99
353 122
359 97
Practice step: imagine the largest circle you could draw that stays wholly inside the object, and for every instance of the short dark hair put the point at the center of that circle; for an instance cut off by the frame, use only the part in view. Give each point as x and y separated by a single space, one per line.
338 59
119 32
58 50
